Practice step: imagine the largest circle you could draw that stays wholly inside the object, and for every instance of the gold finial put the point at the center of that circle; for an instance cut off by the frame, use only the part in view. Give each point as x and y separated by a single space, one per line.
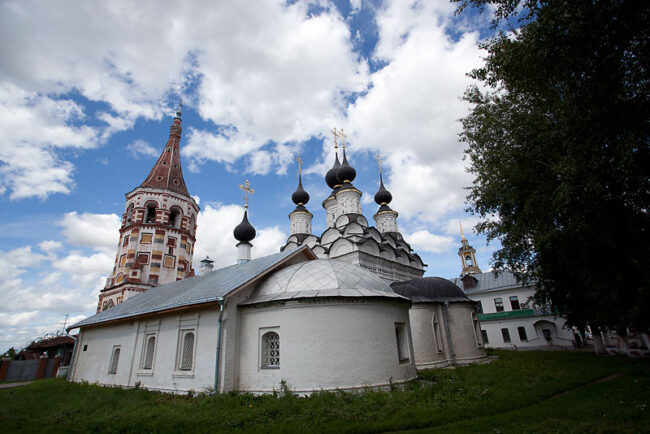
342 134
461 230
333 131
299 164
246 188
378 158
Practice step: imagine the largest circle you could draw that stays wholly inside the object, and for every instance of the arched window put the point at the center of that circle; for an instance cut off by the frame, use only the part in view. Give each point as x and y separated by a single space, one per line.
151 213
187 352
270 350
129 214
468 261
437 336
114 359
175 215
150 347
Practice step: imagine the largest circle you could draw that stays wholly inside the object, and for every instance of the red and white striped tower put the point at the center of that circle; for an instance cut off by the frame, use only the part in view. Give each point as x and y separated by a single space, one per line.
158 229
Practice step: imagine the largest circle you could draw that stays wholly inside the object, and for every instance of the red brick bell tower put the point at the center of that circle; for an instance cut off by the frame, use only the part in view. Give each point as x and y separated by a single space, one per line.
158 229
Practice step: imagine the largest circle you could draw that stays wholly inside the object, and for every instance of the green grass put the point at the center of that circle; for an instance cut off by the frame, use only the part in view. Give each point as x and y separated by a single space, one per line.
520 392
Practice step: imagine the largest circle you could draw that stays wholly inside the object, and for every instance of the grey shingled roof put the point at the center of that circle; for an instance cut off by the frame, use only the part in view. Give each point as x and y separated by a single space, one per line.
430 289
208 287
489 282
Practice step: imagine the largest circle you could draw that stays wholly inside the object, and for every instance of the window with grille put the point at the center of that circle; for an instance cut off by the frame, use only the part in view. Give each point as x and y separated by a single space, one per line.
187 351
270 350
150 348
114 359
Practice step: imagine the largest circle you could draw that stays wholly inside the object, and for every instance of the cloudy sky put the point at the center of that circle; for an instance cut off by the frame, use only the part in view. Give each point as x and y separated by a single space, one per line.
87 94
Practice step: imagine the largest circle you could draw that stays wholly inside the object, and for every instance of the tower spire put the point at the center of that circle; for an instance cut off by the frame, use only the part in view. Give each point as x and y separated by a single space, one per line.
167 172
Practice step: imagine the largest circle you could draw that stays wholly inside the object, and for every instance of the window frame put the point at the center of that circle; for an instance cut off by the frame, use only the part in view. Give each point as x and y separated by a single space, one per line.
514 299
498 304
437 334
114 361
150 239
521 329
143 370
401 339
484 336
263 349
172 257
506 332
477 330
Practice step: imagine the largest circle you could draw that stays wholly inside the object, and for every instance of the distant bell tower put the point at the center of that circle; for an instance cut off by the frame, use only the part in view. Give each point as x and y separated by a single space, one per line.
158 229
467 255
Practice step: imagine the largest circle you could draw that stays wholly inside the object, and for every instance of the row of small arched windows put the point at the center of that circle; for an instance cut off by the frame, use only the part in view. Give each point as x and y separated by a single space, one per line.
174 220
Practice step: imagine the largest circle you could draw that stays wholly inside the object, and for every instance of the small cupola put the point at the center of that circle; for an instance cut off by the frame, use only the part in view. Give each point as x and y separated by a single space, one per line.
346 173
300 196
244 232
383 196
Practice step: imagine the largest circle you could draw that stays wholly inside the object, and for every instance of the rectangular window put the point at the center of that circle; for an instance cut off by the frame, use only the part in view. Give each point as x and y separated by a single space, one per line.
506 335
170 250
126 240
115 357
146 238
143 258
188 248
122 260
171 242
402 343
484 336
477 330
479 307
522 334
498 304
170 261
514 303
437 336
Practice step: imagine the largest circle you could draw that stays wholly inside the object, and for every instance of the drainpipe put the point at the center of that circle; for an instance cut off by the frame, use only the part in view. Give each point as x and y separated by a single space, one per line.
217 361
451 344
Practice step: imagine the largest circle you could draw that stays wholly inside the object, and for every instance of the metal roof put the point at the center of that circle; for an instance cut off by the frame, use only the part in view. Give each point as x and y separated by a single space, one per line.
208 287
430 290
487 282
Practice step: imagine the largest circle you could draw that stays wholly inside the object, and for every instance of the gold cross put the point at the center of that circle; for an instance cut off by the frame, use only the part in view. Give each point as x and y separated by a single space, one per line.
246 188
378 161
333 131
342 134
299 164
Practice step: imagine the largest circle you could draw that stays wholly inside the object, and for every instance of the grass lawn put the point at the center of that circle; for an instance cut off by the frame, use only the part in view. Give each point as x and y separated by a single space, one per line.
520 392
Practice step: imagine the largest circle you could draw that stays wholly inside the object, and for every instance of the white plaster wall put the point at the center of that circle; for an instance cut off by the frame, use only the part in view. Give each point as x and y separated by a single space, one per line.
463 337
349 202
331 211
325 346
300 223
424 346
92 365
535 338
386 222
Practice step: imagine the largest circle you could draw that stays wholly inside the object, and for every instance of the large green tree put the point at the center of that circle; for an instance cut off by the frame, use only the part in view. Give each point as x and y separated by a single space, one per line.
558 139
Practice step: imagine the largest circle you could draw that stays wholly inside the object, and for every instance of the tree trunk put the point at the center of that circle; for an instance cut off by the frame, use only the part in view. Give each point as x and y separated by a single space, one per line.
599 346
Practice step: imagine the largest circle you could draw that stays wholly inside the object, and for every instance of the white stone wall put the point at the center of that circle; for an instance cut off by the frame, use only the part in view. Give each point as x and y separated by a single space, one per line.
300 223
349 201
92 365
325 346
386 222
331 211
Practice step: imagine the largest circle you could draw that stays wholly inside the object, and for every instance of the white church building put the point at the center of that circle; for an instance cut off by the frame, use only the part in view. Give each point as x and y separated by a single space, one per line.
344 310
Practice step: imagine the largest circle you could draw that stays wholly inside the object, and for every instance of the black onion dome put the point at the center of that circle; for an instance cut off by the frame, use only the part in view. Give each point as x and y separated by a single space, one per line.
383 196
244 231
346 173
330 177
430 290
300 196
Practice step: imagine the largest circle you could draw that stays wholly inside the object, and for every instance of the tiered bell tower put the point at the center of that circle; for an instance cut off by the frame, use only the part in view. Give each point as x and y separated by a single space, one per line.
158 229
467 255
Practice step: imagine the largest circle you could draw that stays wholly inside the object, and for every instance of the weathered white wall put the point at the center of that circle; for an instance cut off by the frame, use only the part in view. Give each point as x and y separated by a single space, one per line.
325 345
92 365
463 335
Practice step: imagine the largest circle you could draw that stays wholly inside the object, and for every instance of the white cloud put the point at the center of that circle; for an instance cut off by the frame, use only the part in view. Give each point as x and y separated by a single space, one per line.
426 241
97 231
215 235
410 114
141 148
9 319
50 246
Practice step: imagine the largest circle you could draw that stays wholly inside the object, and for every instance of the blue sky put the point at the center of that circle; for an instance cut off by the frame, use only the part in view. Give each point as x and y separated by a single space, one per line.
88 90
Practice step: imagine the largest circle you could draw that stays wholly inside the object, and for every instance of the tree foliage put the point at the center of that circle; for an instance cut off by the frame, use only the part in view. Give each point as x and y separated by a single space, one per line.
558 139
